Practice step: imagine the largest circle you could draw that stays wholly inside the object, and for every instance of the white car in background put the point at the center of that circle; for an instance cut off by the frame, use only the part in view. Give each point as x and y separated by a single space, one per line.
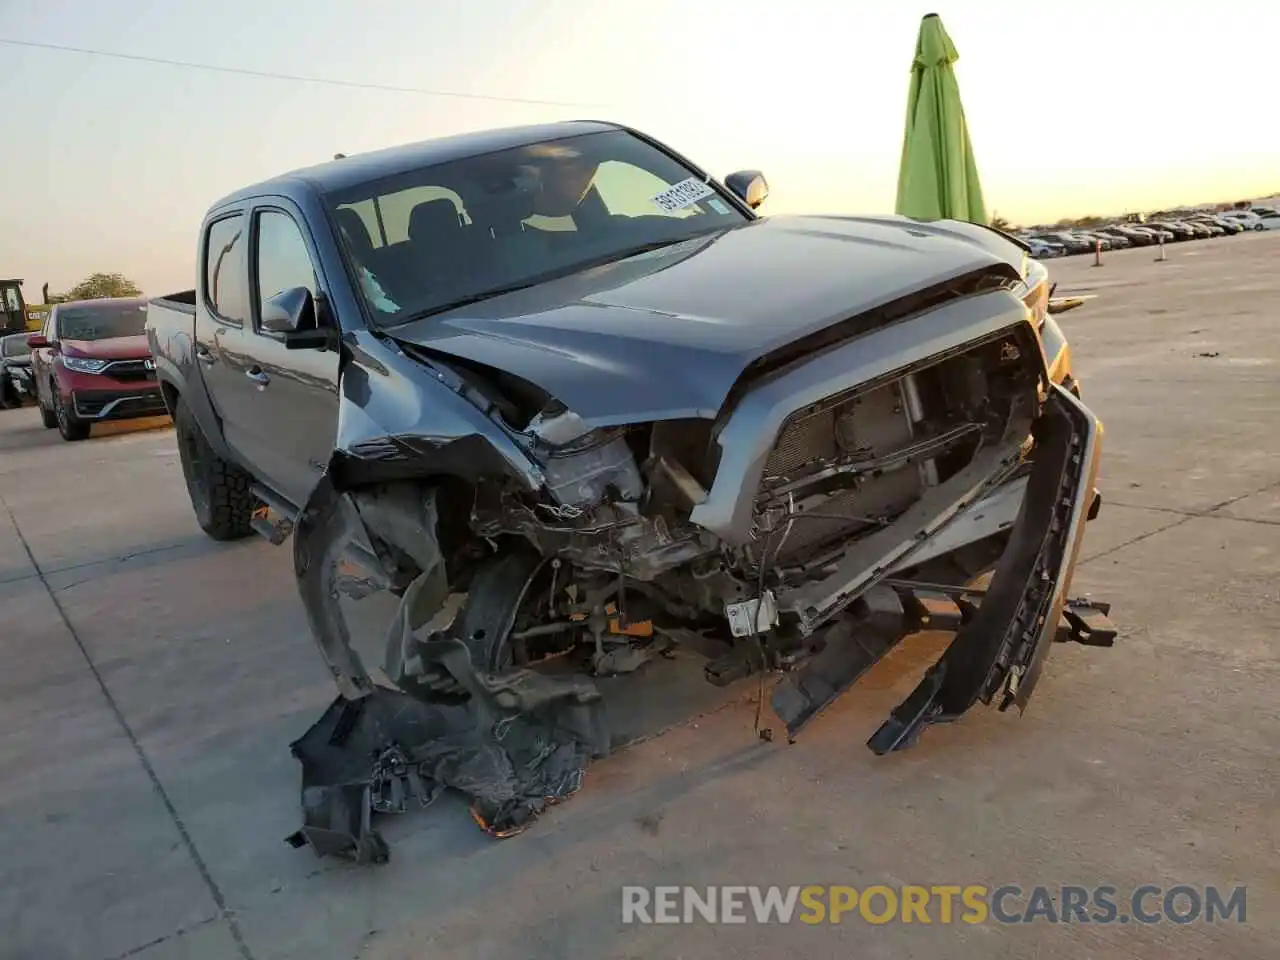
1247 218
1041 249
1269 221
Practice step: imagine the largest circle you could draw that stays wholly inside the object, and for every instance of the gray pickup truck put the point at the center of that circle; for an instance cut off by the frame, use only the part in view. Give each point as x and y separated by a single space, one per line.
561 382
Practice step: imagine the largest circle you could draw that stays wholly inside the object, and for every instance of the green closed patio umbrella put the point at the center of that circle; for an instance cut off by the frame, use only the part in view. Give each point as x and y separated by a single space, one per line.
938 177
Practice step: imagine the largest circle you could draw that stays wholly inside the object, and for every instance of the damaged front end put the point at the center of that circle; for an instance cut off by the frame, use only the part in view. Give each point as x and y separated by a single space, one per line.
848 484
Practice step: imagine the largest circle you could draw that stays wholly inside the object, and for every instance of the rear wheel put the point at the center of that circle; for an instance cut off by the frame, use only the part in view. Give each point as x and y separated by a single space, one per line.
69 426
219 490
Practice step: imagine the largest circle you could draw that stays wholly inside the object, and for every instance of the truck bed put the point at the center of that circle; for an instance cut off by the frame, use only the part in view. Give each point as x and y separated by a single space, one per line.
184 301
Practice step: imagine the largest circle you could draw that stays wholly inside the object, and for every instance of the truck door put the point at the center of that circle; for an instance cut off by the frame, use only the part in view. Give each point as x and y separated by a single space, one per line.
222 314
294 392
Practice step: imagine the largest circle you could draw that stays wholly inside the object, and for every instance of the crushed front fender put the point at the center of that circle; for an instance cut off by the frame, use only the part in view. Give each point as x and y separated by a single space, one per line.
512 742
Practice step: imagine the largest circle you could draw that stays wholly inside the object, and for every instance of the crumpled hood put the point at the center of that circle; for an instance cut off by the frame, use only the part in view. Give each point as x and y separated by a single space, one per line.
665 335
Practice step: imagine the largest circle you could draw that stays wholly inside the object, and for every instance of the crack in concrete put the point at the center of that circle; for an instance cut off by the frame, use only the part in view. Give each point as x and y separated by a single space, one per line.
109 562
181 931
1204 515
201 867
1184 518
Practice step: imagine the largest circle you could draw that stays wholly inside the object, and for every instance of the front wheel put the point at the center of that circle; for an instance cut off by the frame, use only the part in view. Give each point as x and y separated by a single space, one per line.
69 426
47 416
219 490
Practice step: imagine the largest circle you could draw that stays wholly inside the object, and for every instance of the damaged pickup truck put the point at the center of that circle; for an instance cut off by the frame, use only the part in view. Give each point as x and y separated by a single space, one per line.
578 406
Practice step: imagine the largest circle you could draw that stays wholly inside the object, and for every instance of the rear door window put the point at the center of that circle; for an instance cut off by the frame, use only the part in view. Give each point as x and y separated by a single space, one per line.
226 283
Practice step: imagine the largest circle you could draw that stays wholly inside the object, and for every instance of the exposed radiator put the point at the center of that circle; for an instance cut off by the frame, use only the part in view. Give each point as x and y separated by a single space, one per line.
866 426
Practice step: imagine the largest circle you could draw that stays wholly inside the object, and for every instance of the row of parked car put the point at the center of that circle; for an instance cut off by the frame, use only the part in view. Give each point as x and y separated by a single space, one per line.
89 363
1115 236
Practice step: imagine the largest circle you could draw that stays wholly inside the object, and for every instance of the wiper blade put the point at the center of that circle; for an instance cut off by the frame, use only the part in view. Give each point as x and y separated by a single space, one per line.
468 300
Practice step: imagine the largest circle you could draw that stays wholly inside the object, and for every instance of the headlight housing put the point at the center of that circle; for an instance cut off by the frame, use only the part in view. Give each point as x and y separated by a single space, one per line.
1056 352
581 464
1036 277
84 364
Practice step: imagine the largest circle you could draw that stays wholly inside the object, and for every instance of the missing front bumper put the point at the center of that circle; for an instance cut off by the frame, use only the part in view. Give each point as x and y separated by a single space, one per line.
375 750
1002 632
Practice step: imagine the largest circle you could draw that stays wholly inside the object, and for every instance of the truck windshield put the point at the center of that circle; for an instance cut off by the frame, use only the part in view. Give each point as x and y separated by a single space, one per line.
101 321
458 232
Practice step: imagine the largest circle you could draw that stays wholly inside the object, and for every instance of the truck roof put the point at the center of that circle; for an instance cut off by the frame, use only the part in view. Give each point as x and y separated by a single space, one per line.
358 168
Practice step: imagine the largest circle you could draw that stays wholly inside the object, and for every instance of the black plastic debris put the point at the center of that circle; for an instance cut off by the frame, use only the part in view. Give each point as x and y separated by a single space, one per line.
522 745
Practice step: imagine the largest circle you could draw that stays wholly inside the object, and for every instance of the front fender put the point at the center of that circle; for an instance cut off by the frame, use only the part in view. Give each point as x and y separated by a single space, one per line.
401 418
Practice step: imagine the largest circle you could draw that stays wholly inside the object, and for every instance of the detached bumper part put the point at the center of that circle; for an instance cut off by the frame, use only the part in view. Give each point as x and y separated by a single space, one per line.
853 646
521 742
1000 650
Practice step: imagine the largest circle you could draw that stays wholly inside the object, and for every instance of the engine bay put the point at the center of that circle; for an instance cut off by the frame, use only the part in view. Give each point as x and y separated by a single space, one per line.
624 562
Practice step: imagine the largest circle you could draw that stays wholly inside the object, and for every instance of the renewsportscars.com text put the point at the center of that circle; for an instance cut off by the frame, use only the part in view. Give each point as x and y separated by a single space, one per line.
936 904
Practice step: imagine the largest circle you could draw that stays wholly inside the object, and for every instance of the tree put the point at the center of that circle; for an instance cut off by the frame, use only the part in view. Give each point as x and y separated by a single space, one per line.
1000 223
100 285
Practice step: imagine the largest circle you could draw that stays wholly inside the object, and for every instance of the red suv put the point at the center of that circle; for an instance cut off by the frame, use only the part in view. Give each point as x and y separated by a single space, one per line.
91 363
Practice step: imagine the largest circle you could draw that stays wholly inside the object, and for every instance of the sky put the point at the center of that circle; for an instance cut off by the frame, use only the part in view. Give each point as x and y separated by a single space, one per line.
1091 106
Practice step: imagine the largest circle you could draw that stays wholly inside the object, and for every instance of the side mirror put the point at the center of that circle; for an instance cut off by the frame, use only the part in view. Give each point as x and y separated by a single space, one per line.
749 186
289 311
37 340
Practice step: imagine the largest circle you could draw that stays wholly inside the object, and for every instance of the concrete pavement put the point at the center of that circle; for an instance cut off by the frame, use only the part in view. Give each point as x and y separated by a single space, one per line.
152 681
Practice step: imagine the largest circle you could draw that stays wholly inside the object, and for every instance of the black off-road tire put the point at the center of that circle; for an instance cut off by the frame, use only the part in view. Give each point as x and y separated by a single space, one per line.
219 490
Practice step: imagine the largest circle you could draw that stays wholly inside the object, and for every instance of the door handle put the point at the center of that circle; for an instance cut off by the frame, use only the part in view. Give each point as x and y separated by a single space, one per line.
258 376
204 356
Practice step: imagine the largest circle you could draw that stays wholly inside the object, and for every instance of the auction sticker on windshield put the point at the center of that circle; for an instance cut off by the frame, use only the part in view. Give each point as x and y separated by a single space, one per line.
683 194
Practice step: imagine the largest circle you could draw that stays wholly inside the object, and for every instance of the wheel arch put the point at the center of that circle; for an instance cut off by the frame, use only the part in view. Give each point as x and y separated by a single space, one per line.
190 390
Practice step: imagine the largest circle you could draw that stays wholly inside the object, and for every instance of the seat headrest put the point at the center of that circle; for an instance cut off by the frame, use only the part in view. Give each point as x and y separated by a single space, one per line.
434 220
356 232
